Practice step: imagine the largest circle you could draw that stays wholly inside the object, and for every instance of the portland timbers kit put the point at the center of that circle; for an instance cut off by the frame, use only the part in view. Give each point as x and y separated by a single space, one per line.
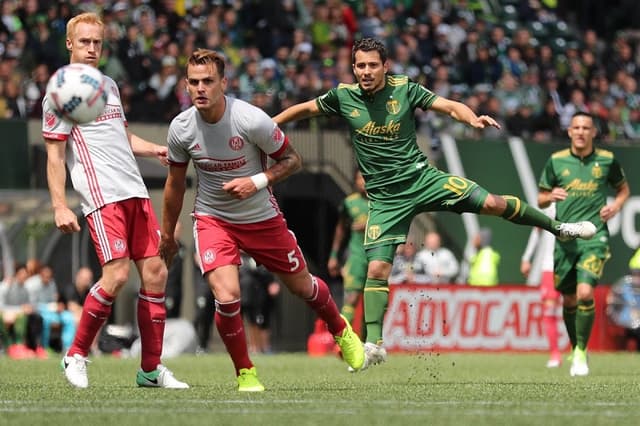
399 180
587 181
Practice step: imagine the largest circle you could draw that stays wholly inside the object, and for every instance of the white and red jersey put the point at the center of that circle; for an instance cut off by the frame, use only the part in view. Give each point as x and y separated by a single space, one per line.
236 146
101 163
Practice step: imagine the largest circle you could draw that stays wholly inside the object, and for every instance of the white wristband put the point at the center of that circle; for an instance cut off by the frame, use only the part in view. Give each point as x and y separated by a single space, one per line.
260 180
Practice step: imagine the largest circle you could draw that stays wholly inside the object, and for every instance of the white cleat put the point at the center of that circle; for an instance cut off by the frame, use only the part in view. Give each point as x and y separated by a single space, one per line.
554 363
570 231
374 354
161 377
75 370
579 366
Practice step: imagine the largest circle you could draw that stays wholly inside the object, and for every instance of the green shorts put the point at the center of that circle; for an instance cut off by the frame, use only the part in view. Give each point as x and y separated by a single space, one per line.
354 273
393 207
579 262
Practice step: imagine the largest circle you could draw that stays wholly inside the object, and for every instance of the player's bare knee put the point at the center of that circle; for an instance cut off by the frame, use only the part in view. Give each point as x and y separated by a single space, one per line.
494 205
379 270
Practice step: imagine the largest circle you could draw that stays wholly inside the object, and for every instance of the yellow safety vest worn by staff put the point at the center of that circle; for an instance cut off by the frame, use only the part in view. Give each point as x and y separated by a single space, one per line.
484 267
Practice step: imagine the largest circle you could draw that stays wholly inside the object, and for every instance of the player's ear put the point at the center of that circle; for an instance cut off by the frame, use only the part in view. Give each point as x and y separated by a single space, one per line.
69 44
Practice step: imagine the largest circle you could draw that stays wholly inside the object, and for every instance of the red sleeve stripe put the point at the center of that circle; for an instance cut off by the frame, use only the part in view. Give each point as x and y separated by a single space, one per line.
178 164
276 155
55 136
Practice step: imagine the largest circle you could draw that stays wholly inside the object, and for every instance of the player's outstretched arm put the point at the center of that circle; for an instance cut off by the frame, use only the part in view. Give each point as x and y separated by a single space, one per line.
144 148
461 112
298 112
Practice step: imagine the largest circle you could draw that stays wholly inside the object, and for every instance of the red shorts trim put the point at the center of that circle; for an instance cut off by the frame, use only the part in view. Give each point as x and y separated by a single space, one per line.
547 286
269 243
125 229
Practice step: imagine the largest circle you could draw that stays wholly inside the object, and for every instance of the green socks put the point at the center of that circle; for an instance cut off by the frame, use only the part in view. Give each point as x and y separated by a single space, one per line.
376 298
584 322
579 322
519 212
569 317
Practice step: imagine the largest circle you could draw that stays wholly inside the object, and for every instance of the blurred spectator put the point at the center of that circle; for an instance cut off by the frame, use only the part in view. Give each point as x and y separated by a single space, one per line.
73 297
45 297
164 80
438 43
434 264
546 125
22 326
402 267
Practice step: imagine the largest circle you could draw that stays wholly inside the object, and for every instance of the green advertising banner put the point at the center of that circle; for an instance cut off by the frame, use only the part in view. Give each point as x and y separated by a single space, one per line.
513 168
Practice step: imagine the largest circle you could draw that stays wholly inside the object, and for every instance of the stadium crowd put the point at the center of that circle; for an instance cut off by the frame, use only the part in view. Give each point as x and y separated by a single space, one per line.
517 60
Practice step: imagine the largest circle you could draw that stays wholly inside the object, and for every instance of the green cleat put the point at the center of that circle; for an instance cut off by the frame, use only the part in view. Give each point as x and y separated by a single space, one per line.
248 380
351 347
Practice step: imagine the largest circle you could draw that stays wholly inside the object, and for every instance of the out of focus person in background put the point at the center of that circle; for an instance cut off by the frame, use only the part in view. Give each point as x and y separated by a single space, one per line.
484 264
260 290
352 220
541 244
435 264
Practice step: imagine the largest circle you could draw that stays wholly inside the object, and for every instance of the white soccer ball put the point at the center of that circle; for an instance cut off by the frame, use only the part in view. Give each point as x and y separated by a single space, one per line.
76 92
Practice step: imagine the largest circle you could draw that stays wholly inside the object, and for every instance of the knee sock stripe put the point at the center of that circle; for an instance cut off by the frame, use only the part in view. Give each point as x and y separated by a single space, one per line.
95 293
587 306
381 289
516 207
315 291
151 299
227 314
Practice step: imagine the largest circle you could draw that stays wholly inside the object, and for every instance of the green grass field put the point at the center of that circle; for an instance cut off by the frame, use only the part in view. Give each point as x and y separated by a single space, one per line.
425 389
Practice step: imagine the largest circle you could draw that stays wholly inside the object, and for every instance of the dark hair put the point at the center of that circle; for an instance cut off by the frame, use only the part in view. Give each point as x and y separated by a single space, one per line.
369 44
206 56
582 114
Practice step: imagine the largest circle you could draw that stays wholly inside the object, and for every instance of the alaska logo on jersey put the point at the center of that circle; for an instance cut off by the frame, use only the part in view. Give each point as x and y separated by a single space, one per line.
388 131
393 106
582 189
236 143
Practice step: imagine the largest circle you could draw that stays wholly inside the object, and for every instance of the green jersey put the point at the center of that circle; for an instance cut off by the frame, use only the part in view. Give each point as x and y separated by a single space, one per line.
383 130
355 209
586 180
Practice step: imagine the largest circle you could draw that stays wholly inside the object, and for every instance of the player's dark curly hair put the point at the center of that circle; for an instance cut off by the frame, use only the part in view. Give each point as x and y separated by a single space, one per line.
205 57
369 44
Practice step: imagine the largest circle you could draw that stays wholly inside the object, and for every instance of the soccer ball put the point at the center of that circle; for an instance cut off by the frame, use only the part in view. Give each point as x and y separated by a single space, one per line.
76 92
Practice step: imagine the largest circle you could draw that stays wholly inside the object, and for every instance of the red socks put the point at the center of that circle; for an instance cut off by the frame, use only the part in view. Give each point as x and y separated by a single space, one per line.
231 329
95 311
325 307
151 318
549 322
